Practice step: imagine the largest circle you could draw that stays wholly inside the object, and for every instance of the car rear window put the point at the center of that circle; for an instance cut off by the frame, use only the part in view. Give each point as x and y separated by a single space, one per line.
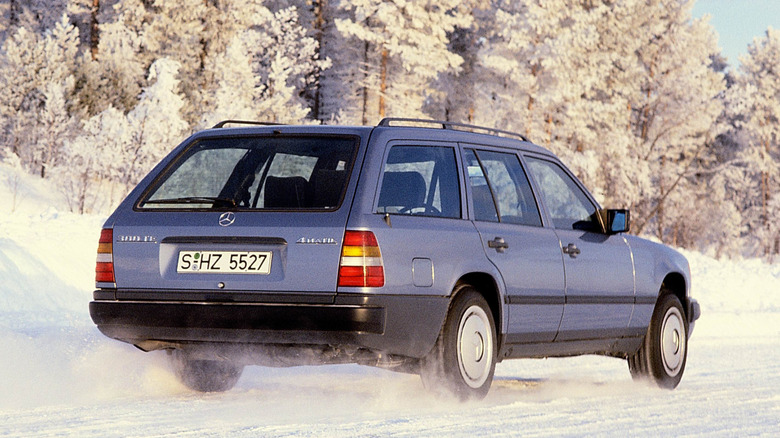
256 173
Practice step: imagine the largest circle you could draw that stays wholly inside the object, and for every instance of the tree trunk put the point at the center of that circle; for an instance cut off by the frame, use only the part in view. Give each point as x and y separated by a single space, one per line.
365 82
660 210
319 31
765 196
14 11
94 36
383 83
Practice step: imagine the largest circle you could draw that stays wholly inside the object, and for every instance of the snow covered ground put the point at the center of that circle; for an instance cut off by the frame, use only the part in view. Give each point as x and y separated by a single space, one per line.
60 376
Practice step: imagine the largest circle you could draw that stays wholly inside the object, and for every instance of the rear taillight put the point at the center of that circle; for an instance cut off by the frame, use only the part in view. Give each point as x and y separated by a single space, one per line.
361 261
104 269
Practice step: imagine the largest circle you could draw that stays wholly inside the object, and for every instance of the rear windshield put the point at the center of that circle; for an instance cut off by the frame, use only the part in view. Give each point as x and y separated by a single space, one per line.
256 173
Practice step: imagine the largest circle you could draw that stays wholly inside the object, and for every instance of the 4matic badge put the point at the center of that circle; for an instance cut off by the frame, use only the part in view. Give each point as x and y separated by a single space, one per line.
317 241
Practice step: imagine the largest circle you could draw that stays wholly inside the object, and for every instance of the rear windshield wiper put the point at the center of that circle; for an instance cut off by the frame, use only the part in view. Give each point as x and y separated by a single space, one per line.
214 200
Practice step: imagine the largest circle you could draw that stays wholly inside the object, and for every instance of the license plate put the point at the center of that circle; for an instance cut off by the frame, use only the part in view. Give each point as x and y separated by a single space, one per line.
224 262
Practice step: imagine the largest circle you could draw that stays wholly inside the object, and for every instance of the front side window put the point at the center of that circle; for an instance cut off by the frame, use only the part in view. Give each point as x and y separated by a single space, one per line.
567 204
420 180
256 173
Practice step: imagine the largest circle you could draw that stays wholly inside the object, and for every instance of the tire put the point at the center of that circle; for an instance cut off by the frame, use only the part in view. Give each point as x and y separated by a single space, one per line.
463 359
664 351
205 375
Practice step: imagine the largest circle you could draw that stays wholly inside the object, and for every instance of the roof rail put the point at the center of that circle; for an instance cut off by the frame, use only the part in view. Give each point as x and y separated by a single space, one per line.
244 122
387 121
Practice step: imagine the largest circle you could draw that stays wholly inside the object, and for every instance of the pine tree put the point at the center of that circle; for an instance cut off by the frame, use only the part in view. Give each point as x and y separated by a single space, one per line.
92 162
175 30
621 90
237 87
156 123
675 120
37 96
405 48
115 75
755 102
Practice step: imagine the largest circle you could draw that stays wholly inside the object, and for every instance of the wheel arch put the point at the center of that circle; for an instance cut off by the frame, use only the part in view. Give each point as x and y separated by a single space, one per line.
674 284
486 285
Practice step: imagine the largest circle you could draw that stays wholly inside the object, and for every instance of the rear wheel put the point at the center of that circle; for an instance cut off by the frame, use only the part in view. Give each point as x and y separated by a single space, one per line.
664 351
205 375
463 359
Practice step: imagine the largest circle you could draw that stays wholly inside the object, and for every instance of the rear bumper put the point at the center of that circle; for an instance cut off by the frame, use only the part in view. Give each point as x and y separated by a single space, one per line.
401 325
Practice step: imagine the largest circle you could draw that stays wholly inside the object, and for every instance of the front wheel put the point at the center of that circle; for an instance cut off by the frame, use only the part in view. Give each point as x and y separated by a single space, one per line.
204 375
664 351
463 359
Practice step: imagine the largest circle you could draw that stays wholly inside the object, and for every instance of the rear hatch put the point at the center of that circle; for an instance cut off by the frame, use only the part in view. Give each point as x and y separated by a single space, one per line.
250 214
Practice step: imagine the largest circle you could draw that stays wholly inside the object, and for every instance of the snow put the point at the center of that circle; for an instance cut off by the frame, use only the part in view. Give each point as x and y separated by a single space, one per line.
60 376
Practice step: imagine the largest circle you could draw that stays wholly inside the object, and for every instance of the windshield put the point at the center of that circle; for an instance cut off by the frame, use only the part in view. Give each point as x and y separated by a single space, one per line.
254 173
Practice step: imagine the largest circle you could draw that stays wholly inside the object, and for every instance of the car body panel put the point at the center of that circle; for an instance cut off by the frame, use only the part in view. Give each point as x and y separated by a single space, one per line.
599 286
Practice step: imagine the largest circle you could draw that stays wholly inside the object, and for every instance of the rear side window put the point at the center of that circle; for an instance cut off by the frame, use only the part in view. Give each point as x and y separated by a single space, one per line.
420 180
498 179
256 173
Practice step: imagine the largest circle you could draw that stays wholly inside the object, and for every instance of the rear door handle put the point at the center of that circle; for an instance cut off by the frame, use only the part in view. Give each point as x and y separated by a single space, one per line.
572 250
498 244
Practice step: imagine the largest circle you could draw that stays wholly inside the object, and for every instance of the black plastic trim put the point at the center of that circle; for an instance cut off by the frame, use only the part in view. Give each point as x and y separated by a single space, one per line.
543 300
405 325
248 240
238 316
577 299
223 296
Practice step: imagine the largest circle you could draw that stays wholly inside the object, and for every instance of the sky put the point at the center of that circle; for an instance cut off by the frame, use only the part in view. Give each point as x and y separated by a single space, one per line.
737 22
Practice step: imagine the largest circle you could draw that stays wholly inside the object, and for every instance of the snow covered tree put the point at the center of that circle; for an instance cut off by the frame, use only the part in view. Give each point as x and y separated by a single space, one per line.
405 48
114 74
558 72
755 102
236 84
265 70
284 61
91 163
621 90
37 99
156 123
35 15
457 91
175 31
674 121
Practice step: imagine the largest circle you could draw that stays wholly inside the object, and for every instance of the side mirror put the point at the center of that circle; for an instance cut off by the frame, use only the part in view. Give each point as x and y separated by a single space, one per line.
616 221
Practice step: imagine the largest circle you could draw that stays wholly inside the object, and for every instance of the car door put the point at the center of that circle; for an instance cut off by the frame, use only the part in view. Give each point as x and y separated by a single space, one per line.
598 267
424 242
526 254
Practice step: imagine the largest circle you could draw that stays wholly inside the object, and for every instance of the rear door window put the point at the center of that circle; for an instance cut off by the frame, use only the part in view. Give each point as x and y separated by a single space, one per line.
420 180
498 180
256 173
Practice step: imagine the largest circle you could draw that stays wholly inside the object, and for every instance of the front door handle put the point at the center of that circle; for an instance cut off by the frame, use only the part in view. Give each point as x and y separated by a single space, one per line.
572 250
498 244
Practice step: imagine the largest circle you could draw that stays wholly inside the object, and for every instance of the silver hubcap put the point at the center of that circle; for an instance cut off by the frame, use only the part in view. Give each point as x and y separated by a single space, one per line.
673 340
475 346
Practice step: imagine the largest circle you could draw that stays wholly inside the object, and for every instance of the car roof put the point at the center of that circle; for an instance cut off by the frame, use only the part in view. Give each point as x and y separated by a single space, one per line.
429 130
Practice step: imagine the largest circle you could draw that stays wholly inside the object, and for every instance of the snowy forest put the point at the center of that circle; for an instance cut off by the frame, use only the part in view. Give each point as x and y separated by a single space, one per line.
632 94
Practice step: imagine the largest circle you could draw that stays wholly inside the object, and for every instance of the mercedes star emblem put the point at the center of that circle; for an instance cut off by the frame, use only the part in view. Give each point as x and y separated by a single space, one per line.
227 219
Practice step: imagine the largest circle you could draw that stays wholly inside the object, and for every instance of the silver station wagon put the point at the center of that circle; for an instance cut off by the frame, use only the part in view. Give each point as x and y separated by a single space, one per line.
418 246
